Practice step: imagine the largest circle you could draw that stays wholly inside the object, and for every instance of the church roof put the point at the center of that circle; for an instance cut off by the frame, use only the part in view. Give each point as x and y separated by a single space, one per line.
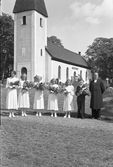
61 54
27 5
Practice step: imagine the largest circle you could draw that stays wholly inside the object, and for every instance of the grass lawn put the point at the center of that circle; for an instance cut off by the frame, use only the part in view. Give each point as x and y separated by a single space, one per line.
51 142
57 142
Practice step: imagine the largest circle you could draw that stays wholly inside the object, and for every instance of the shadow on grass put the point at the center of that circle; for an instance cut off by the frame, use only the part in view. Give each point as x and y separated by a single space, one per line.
104 116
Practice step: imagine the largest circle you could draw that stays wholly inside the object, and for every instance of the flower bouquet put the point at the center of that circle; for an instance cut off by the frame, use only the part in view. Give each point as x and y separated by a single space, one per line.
27 85
14 84
65 92
39 86
54 90
85 91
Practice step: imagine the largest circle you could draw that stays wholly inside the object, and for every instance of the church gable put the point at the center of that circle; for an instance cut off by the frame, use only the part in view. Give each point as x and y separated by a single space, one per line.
27 5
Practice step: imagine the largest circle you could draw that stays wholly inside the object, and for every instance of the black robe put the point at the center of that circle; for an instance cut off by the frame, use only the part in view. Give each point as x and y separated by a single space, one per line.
96 89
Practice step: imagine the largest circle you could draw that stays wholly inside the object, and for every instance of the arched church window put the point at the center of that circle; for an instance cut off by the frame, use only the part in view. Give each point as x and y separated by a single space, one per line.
81 73
59 72
41 52
86 75
67 73
23 70
24 20
41 25
74 74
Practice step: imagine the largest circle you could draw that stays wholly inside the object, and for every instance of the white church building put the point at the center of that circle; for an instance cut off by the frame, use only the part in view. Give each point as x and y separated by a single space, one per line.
37 56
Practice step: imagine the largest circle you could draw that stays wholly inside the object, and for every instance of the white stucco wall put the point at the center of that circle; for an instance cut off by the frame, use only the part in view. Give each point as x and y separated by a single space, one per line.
23 42
72 68
30 38
47 67
40 43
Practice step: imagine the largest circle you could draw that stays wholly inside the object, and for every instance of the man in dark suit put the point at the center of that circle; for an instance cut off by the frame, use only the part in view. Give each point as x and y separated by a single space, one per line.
96 88
81 92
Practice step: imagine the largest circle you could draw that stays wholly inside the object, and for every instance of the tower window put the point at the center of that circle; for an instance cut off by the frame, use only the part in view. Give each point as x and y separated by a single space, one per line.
41 25
24 20
41 52
59 72
67 73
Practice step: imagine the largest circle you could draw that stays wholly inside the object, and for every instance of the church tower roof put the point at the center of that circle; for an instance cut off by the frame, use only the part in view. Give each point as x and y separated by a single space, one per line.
27 5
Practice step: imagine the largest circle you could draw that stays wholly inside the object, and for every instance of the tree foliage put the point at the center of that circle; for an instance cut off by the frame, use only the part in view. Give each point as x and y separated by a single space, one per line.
100 56
6 44
55 40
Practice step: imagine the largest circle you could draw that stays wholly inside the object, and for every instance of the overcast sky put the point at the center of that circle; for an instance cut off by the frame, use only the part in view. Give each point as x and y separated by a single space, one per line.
76 22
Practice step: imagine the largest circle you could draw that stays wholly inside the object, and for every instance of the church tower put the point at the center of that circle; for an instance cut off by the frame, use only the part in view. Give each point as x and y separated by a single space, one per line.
30 37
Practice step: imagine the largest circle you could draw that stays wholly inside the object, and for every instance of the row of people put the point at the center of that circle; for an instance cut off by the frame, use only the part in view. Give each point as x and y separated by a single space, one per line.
23 102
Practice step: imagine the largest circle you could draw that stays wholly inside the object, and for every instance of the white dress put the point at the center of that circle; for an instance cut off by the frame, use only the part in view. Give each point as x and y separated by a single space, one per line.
38 99
23 98
53 100
68 99
11 99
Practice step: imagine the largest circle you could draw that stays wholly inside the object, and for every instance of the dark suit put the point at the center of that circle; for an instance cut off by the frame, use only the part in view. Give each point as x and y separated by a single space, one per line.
96 103
81 101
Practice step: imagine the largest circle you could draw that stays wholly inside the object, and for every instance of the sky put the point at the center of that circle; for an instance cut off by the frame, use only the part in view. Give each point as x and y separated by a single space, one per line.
76 22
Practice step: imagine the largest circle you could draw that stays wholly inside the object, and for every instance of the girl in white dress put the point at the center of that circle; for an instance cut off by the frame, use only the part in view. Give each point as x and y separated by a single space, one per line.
53 99
11 99
23 98
38 98
68 98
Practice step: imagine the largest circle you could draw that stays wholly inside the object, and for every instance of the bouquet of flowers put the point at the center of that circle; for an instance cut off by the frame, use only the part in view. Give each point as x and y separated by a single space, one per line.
84 91
54 90
27 85
14 84
40 86
65 92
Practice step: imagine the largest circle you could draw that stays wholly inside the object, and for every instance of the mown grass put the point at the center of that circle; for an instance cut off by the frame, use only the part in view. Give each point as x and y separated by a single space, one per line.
50 142
57 142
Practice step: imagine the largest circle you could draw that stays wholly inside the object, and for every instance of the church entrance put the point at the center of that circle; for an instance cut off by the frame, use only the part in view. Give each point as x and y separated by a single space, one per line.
23 70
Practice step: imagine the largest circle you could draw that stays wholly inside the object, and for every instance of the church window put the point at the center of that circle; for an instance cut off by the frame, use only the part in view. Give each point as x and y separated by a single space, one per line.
86 75
41 52
81 73
59 72
74 74
41 25
23 70
24 20
67 73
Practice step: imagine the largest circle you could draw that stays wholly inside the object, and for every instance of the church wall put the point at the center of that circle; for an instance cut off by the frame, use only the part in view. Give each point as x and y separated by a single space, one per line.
47 67
30 41
23 36
72 69
40 42
23 43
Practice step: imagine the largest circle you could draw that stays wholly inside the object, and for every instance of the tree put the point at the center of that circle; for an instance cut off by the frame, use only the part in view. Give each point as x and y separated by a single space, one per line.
55 40
100 56
6 44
